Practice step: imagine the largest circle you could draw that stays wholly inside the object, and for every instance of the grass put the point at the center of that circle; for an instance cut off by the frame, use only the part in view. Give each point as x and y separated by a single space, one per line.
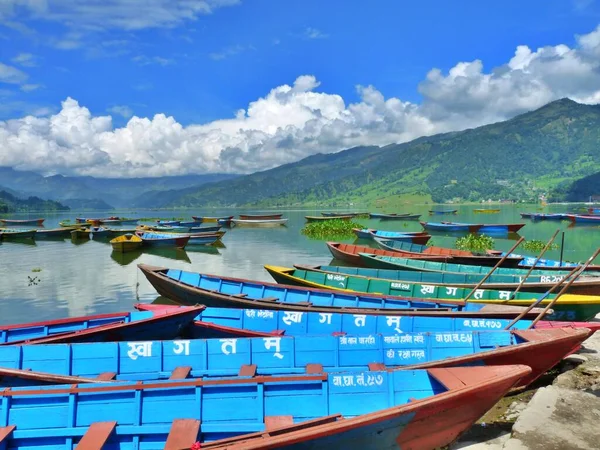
330 229
475 243
535 245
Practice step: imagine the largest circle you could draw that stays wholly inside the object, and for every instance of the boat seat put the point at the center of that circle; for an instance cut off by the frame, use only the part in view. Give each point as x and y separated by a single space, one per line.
375 367
314 368
96 436
269 299
106 376
303 303
183 434
5 432
274 422
180 373
242 295
247 370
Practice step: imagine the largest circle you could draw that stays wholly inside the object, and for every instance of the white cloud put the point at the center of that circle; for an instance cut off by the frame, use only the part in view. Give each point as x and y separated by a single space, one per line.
30 87
229 52
143 60
121 110
294 121
313 33
112 14
25 59
9 74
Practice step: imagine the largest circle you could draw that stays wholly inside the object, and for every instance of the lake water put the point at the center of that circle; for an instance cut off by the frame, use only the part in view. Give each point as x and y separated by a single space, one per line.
53 279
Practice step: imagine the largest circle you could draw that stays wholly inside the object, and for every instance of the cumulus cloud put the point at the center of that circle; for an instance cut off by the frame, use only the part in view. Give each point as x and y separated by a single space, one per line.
294 121
121 110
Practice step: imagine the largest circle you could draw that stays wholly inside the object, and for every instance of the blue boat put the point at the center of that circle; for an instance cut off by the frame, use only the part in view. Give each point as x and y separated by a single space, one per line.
529 261
473 227
371 408
442 211
203 238
200 229
418 237
542 216
166 239
190 288
189 223
166 324
279 356
168 223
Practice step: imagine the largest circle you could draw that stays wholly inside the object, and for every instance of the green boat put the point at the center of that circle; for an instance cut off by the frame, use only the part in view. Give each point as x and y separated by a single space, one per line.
17 233
567 307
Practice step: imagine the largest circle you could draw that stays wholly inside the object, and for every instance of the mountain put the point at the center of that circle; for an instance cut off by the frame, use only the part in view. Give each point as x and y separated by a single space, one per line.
10 203
97 192
518 159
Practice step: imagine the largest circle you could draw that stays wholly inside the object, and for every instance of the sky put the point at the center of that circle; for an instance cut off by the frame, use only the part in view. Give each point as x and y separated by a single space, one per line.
128 88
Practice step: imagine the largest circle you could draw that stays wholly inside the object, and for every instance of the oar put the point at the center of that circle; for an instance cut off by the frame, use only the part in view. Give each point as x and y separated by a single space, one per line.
498 264
551 304
534 264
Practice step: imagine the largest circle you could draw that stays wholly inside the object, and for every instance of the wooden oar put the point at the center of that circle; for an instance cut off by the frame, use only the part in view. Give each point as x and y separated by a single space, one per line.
551 304
534 264
498 264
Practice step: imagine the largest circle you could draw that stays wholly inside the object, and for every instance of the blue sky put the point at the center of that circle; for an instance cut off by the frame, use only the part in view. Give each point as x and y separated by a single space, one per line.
202 60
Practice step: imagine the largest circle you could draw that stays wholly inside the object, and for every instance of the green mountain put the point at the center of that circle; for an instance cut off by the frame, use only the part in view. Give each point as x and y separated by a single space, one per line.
518 159
10 203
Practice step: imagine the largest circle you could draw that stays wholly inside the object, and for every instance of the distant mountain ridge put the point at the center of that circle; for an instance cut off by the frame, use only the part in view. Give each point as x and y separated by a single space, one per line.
10 203
517 159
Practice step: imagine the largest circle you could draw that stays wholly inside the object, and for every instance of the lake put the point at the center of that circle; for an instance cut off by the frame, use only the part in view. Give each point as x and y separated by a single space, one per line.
53 279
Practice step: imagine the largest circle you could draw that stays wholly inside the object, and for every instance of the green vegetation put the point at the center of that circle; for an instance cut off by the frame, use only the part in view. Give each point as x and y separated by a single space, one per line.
519 159
475 243
154 219
537 246
10 203
330 229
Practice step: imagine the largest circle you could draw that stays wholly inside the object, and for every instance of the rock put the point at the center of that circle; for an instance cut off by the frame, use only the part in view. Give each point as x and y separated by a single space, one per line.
557 419
576 359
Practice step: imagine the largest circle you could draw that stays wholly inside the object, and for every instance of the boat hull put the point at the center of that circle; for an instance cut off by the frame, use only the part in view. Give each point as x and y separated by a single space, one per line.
36 222
259 223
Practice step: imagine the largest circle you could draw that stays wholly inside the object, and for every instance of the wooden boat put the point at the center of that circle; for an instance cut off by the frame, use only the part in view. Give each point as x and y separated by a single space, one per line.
442 211
547 264
349 253
205 229
230 322
226 222
267 223
380 215
486 210
408 250
69 224
543 216
370 233
49 233
280 356
400 283
210 219
164 228
126 243
579 219
397 216
119 231
158 324
172 240
125 221
204 238
23 222
189 223
402 405
260 216
189 288
17 233
80 233
535 283
338 214
170 222
327 218
473 227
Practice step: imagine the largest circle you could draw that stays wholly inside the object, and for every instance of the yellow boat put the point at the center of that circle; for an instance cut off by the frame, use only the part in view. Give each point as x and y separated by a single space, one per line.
486 210
126 243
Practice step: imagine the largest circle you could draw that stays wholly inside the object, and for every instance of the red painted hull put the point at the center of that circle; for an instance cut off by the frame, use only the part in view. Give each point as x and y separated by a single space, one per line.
349 253
433 422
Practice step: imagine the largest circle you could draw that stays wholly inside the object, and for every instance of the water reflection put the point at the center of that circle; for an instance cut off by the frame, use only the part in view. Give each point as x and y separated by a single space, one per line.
123 259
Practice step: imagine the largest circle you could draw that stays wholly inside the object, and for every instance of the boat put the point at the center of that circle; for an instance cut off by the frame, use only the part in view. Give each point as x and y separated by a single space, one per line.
173 240
259 223
402 283
396 216
204 238
23 222
39 364
17 233
69 224
214 229
190 288
579 219
126 243
157 324
49 233
260 412
380 215
409 250
442 211
189 223
486 210
210 219
585 285
125 221
260 216
120 231
419 237
217 323
548 264
80 233
169 222
348 253
327 218
337 214
226 222
543 216
473 227
164 228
